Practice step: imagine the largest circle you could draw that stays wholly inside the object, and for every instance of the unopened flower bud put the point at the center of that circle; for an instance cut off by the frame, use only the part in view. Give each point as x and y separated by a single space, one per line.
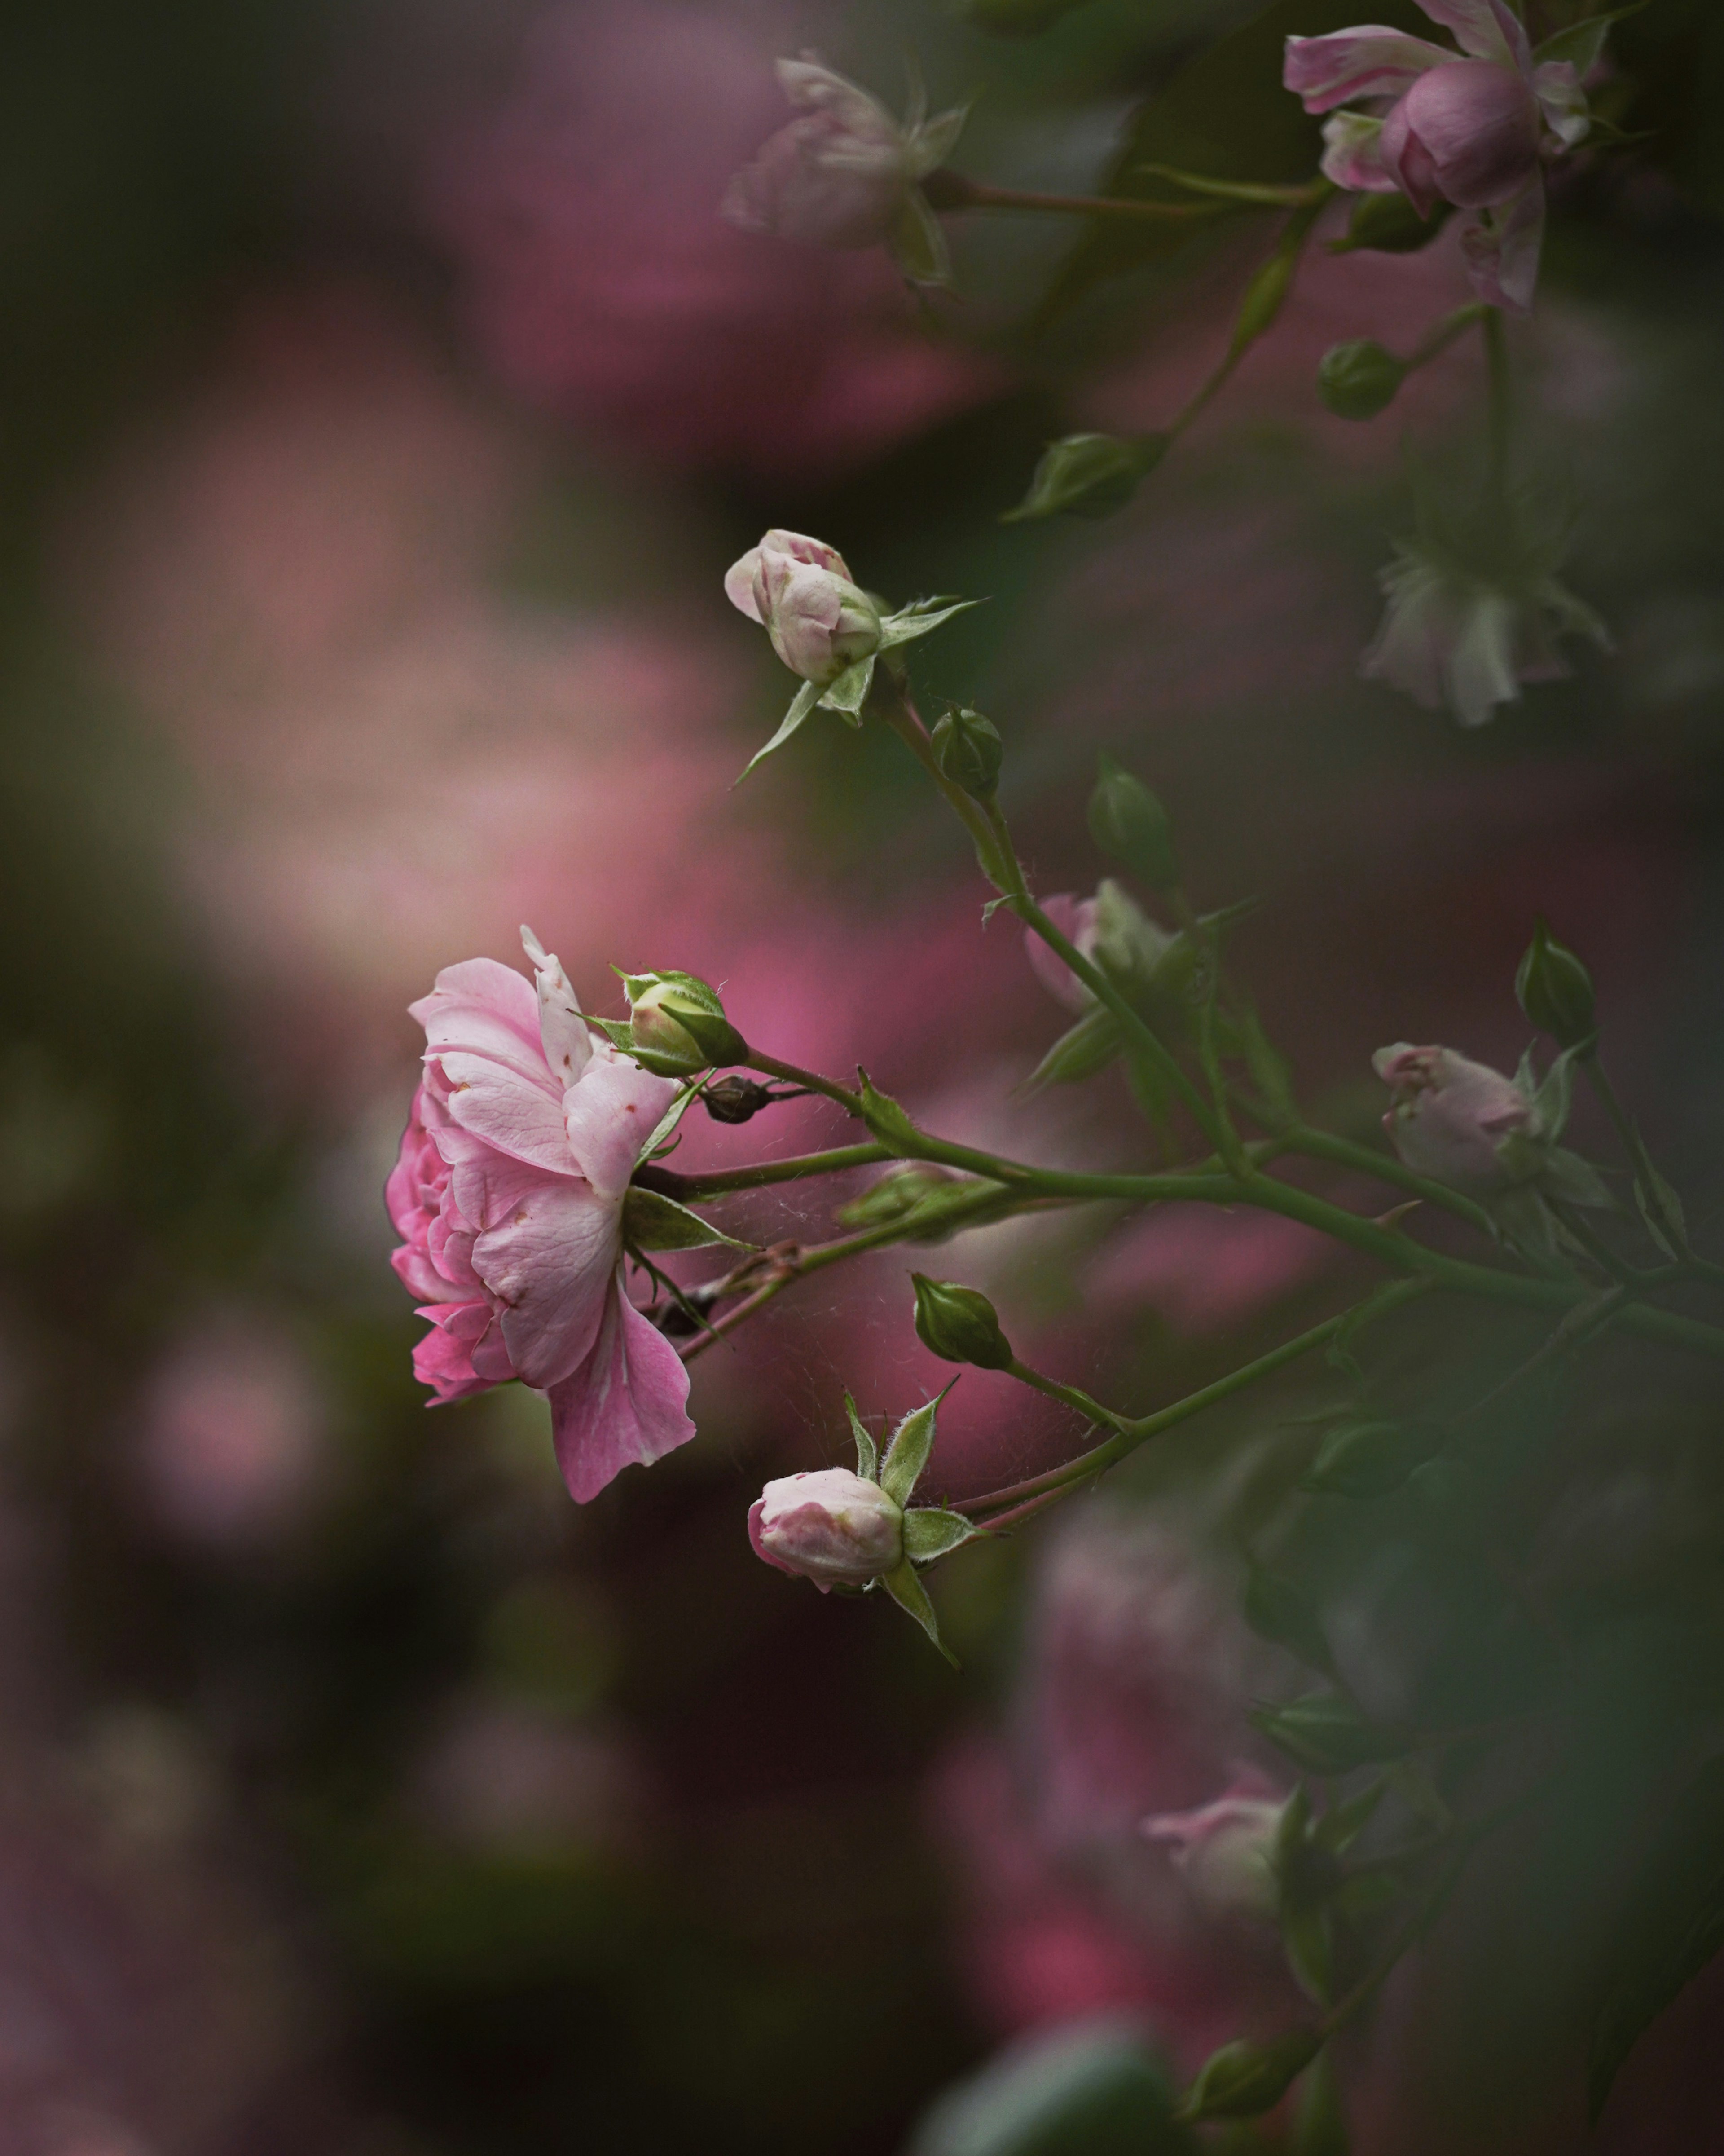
1226 1852
1129 825
959 1324
677 1024
1449 1117
1357 381
967 748
1556 990
1089 475
800 590
830 1526
735 1100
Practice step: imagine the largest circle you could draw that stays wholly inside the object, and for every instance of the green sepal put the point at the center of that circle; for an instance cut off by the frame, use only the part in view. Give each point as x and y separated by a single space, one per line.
1389 224
920 619
653 1222
1305 1940
1277 1610
915 241
849 693
616 1031
867 1454
801 704
907 1452
931 1531
1341 1824
1089 475
667 1123
1554 1095
1575 1182
1243 2080
1581 43
908 1591
1086 1049
1666 1199
1365 1459
1325 1734
885 1120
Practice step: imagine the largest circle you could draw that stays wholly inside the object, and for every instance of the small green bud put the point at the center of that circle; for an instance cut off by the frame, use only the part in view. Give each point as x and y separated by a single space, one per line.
1357 381
1265 297
1128 823
1243 2080
677 1024
1556 990
1325 1734
959 1324
968 750
1388 224
1089 475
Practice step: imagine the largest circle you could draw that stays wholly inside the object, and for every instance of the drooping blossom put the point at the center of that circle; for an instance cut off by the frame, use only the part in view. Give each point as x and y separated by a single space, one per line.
508 1196
1453 636
830 1526
800 592
845 173
1225 1849
1473 128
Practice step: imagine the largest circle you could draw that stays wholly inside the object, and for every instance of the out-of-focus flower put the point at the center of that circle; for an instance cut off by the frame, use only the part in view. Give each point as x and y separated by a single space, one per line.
1473 130
1111 930
802 593
1449 1116
508 1196
844 173
598 280
1453 636
830 1526
1225 1850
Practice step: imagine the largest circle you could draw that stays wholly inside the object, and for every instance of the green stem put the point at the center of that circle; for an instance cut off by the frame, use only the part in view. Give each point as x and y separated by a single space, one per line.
689 1189
770 1067
1496 355
1634 1146
1344 1152
955 192
1070 1396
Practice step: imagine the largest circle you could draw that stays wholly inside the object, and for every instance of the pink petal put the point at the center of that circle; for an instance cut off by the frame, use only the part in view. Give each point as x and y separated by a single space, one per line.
1486 29
1500 249
563 1034
1353 154
760 1548
1073 918
1366 62
1480 127
624 1404
609 1115
417 1274
739 577
487 1007
1408 162
443 1358
549 1265
494 1102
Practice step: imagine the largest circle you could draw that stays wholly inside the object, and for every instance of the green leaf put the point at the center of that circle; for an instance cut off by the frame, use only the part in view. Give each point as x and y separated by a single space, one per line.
1575 1182
801 704
1271 1073
1365 1459
1305 1937
1088 1048
907 1454
916 242
849 693
668 1120
908 1591
1389 224
867 1458
911 622
1341 1824
1088 2088
1088 475
653 1222
1662 1196
1243 2080
1672 1926
885 1120
1581 43
1325 1734
1555 1096
930 1533
1276 1609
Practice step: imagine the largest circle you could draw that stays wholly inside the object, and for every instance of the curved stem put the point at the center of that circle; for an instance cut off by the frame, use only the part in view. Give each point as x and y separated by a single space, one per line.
688 1189
952 191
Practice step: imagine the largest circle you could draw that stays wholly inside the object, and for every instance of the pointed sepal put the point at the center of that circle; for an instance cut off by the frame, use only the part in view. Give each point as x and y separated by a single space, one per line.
907 1454
653 1222
867 1457
908 1591
801 704
930 1531
920 619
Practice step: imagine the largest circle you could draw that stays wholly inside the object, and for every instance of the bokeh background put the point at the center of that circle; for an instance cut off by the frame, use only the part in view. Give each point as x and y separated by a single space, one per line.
383 402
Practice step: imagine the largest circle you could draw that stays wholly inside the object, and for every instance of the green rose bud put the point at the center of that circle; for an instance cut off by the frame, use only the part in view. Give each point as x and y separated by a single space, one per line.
1128 823
1556 990
968 750
677 1024
1089 475
959 1324
1357 381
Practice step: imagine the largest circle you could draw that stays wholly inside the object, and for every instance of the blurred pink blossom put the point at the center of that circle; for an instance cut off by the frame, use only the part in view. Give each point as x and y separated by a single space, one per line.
600 281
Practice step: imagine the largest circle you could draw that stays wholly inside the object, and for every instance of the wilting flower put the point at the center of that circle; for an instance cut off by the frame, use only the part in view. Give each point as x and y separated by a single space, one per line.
508 1197
800 592
1472 129
1225 1850
830 1526
1453 636
844 174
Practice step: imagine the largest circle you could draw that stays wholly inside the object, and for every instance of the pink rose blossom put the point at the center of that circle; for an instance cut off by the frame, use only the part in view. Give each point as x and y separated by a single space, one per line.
1473 130
1449 1116
834 176
802 593
830 1526
1225 1850
508 1197
1111 930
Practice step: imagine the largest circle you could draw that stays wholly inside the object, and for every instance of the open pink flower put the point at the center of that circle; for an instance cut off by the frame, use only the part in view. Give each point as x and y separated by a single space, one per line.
508 1197
1472 129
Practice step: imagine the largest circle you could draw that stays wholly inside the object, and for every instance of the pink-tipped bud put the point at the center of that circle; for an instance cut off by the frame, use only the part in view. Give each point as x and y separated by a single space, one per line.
830 1526
1225 1851
800 592
1449 1117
